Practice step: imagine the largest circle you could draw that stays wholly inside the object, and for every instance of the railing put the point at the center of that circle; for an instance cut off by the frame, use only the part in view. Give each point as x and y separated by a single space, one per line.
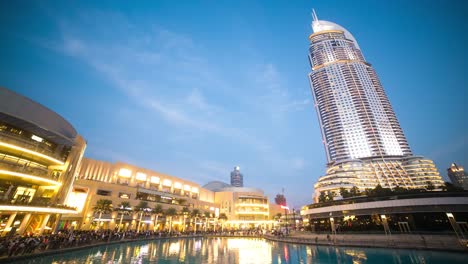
37 202
355 200
35 171
440 242
29 144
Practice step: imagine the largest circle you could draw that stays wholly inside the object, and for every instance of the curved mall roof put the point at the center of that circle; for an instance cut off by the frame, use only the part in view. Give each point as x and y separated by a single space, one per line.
24 113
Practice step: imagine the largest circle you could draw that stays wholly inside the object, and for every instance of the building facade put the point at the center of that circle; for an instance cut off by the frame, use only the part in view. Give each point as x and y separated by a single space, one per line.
237 179
424 212
121 182
244 207
363 140
458 176
39 156
125 183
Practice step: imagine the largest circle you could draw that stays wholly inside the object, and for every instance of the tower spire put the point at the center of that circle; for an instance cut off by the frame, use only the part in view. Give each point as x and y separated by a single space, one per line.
314 15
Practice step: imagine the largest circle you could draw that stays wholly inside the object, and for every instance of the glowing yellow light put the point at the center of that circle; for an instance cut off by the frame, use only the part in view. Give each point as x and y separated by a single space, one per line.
17 174
125 173
31 152
36 209
254 213
194 189
155 179
77 200
178 185
140 176
252 205
186 187
36 138
167 182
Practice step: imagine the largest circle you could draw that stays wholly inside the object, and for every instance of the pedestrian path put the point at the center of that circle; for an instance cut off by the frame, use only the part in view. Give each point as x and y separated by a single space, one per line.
403 241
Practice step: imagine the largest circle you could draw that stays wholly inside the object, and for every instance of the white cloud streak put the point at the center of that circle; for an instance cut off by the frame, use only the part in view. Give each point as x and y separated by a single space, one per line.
161 71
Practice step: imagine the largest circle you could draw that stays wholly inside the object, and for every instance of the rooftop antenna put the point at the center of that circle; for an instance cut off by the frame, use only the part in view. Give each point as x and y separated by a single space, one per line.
314 15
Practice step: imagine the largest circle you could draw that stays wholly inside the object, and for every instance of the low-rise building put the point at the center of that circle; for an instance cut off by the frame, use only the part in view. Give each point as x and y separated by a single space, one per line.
121 182
244 207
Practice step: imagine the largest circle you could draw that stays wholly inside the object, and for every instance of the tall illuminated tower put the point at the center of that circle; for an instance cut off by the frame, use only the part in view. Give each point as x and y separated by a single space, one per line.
237 179
363 140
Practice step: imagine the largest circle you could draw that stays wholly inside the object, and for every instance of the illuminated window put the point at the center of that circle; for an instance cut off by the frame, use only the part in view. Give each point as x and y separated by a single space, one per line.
140 176
125 173
124 195
187 188
103 192
167 182
178 185
36 138
77 198
155 179
194 189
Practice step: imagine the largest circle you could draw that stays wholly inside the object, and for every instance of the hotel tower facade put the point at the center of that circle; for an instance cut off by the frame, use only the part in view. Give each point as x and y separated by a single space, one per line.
364 143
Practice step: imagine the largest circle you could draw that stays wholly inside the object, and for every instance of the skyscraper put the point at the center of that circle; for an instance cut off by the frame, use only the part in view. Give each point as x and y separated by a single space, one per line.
458 176
237 180
363 140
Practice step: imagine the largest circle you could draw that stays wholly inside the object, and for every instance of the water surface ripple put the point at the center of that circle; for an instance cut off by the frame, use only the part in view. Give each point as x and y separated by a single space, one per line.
240 250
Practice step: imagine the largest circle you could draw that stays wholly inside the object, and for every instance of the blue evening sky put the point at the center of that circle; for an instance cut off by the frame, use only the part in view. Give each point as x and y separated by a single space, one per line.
194 88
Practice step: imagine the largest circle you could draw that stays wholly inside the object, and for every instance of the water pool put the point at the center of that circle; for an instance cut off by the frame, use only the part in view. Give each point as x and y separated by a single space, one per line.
241 250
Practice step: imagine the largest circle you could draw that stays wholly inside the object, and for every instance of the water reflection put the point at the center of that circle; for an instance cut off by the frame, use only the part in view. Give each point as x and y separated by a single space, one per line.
240 250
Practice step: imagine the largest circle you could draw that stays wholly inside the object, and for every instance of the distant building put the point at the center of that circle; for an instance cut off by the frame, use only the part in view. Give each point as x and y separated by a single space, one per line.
244 207
237 180
458 176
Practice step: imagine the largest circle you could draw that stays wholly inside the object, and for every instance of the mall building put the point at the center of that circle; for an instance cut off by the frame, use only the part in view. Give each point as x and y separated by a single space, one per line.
46 185
40 153
121 182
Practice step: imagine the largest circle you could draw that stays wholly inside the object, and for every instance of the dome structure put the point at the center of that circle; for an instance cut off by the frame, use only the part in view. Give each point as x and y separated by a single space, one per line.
216 186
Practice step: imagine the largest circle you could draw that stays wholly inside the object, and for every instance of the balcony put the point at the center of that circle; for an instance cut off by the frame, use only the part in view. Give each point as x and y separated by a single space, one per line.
37 206
24 148
26 174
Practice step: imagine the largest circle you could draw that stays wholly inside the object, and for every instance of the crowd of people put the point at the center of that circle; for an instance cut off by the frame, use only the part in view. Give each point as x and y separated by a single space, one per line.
15 245
19 245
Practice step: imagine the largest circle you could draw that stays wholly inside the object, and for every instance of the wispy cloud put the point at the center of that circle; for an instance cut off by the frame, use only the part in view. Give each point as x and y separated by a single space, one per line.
164 72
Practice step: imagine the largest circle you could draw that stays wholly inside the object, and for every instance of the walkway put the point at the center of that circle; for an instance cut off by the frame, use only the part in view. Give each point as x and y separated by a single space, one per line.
406 241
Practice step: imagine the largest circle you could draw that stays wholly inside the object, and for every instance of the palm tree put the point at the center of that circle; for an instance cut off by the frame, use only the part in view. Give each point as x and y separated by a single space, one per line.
207 216
222 217
123 209
171 211
195 214
185 212
277 217
142 207
157 210
103 206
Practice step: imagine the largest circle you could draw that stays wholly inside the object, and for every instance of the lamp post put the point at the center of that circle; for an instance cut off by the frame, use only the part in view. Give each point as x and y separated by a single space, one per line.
286 209
294 218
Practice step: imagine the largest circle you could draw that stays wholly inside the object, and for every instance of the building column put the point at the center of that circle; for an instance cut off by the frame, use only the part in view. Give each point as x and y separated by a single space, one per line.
455 226
10 221
55 227
24 224
332 225
385 225
44 223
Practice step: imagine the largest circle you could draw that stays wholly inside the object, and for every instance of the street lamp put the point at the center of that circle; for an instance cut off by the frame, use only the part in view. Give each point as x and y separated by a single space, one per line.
286 214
